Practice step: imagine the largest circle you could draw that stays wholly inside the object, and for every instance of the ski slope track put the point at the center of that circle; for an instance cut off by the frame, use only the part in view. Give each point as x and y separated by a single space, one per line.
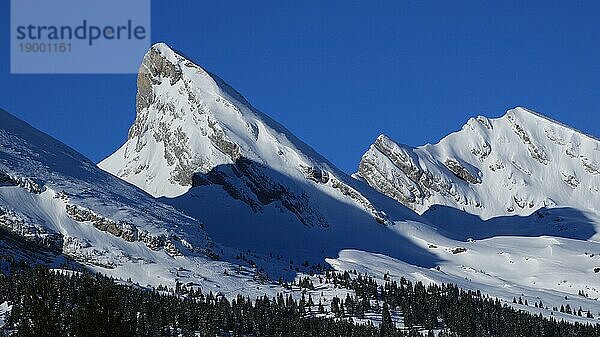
210 191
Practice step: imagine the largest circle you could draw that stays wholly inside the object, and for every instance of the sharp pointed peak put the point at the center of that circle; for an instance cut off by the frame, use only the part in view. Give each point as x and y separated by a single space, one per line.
383 137
161 54
164 61
161 46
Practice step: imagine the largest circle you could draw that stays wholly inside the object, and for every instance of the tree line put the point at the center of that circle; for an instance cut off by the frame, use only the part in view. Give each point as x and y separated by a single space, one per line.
51 303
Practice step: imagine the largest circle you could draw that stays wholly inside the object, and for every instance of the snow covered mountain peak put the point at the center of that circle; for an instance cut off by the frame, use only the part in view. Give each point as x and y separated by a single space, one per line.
161 63
515 164
192 130
175 110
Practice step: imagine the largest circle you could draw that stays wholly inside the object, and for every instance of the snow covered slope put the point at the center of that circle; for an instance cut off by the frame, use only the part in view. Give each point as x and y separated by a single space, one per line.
53 197
509 166
203 148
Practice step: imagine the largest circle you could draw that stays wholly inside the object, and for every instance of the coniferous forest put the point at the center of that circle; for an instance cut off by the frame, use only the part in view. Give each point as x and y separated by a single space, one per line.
50 303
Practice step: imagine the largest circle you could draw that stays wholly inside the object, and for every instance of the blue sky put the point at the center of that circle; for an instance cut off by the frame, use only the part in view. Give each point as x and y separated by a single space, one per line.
339 73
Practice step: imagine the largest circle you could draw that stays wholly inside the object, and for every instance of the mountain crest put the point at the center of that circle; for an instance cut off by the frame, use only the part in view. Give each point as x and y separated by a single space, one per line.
192 130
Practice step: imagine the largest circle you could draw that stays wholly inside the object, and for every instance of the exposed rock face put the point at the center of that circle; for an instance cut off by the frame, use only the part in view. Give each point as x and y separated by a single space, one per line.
33 231
316 174
512 164
346 190
29 229
252 184
536 151
82 251
155 69
401 177
455 167
122 229
220 141
570 179
27 183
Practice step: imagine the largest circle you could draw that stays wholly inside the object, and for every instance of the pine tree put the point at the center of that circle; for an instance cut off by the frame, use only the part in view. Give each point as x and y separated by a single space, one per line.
387 326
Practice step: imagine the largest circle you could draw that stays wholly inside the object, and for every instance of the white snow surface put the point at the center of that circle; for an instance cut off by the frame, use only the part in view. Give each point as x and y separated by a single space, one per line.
268 202
201 147
543 253
197 106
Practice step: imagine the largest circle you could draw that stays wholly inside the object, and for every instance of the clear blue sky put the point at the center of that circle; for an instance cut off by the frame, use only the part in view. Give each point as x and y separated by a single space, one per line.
339 73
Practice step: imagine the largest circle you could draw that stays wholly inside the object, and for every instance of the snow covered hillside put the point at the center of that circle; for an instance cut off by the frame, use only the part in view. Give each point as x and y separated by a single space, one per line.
56 204
516 196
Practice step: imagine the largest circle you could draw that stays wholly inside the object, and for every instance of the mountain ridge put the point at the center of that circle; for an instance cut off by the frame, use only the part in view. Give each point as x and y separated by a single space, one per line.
529 147
51 196
233 201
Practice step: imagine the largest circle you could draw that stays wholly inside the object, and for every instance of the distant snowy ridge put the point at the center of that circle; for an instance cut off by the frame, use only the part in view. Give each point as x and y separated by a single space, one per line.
38 169
515 164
